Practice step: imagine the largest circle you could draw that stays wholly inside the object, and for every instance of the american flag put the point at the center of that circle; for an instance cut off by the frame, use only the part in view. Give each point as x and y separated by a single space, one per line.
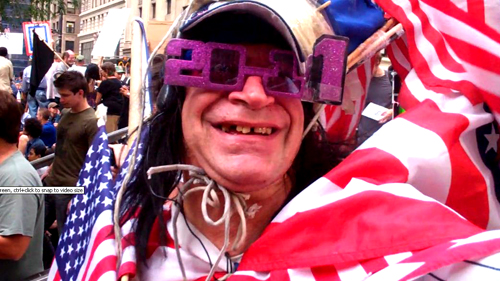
86 249
416 198
340 122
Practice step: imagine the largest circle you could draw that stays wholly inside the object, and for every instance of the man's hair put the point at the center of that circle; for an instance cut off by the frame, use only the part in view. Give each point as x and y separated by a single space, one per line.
72 81
66 54
33 127
109 68
4 52
44 112
92 72
10 117
39 149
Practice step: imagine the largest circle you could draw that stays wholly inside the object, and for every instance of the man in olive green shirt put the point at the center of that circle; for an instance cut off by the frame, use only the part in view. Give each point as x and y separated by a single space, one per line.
75 132
21 216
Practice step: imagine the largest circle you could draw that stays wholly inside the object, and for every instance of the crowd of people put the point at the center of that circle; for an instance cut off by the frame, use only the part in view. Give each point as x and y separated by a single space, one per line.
60 118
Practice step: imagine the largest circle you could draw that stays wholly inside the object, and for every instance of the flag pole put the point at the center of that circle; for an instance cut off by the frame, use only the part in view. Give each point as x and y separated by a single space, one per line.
57 55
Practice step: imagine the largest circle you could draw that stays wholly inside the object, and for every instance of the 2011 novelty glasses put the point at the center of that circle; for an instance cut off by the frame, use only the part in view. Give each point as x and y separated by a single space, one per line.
222 67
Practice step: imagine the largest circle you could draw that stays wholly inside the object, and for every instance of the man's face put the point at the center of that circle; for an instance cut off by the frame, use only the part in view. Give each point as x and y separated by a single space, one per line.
70 60
39 116
70 99
244 138
32 156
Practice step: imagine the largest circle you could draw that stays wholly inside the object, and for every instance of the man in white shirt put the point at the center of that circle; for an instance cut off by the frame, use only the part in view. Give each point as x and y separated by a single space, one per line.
79 65
68 59
6 71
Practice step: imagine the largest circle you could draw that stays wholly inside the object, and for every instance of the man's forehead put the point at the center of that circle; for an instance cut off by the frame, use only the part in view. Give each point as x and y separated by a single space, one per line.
258 55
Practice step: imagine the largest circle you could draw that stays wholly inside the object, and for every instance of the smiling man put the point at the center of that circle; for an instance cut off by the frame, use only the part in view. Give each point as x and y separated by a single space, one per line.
238 105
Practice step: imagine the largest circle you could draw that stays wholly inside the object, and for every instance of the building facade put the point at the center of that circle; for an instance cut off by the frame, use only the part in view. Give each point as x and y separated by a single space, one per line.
92 16
158 15
65 27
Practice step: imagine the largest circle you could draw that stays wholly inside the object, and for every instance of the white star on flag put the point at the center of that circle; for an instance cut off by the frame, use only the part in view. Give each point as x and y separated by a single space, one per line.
492 140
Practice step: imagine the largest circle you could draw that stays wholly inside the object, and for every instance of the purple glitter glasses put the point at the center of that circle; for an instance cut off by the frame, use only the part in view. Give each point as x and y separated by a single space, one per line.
222 67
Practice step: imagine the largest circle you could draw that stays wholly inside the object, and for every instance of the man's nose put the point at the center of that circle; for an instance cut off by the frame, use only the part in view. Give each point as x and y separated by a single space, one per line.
253 94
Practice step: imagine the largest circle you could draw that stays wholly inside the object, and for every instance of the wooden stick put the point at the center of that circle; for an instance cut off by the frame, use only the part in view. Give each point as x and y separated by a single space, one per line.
57 55
376 44
354 56
323 6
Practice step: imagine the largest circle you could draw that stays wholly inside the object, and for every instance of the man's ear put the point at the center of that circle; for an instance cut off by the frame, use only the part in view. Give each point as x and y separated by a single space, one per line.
80 92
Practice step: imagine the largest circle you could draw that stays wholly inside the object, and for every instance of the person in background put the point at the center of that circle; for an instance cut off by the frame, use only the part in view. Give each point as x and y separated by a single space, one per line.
33 129
75 133
55 114
68 59
38 151
92 75
109 94
380 93
48 130
6 71
21 216
25 83
40 98
79 65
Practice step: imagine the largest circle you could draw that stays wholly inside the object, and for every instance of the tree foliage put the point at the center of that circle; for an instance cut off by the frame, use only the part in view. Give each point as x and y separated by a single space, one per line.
37 10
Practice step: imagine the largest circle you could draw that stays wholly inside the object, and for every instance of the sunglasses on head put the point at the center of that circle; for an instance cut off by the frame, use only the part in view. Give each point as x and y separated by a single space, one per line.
223 67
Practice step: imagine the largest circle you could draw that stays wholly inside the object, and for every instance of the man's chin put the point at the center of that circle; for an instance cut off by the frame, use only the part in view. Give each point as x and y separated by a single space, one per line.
249 181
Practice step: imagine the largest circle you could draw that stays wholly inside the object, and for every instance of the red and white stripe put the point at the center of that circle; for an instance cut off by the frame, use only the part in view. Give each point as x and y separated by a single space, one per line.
333 246
444 66
100 258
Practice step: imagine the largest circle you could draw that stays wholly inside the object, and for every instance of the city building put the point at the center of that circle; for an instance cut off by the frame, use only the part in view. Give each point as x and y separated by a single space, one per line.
92 16
65 25
158 15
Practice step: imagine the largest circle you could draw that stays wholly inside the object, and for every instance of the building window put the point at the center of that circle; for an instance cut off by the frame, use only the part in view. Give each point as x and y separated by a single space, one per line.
70 45
86 50
140 12
70 27
70 8
153 11
169 7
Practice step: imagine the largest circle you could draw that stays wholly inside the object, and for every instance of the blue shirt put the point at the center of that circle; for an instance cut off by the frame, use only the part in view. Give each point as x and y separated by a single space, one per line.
48 134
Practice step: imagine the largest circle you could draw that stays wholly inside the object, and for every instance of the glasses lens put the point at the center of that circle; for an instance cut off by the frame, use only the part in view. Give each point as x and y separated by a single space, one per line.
284 82
224 66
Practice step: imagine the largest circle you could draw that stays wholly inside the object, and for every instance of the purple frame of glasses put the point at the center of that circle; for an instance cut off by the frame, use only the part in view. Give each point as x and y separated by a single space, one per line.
221 67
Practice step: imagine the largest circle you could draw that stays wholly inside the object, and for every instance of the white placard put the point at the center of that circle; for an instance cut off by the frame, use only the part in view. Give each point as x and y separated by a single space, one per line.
374 111
13 42
111 32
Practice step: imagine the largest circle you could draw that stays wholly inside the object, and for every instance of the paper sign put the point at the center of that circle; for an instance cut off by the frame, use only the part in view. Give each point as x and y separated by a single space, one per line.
13 42
111 32
374 111
42 28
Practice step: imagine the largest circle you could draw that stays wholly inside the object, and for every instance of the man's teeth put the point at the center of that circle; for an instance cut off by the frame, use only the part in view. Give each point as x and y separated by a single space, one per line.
246 130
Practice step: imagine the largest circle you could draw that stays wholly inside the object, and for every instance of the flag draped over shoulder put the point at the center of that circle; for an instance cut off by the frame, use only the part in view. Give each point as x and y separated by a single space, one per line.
86 246
43 57
86 249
